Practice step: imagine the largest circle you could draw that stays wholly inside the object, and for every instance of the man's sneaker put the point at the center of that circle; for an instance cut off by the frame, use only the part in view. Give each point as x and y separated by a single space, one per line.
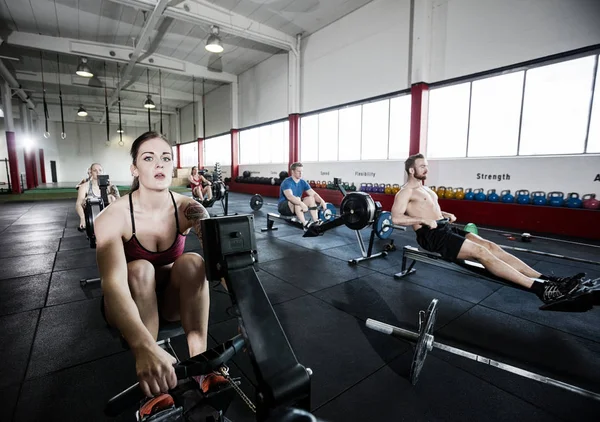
211 382
555 291
562 280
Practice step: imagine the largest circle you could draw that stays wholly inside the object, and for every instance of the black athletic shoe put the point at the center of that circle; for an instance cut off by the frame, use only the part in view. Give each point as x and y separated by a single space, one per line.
557 291
561 280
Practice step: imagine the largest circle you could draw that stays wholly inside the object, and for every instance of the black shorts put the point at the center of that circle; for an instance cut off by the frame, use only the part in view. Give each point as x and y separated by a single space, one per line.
284 209
445 240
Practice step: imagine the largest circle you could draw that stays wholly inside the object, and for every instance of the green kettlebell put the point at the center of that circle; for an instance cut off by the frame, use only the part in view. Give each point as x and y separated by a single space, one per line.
471 228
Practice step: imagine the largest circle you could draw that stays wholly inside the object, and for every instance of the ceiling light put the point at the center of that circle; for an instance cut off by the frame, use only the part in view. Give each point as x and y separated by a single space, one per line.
81 112
83 69
213 44
149 103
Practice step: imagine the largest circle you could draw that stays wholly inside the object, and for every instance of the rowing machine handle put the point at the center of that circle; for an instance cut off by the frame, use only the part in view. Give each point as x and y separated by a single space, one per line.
439 222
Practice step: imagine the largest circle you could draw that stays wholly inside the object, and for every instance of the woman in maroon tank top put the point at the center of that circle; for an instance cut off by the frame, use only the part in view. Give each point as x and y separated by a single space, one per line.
145 274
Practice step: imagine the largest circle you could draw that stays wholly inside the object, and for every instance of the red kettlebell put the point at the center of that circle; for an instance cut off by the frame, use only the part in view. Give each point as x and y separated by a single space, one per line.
590 202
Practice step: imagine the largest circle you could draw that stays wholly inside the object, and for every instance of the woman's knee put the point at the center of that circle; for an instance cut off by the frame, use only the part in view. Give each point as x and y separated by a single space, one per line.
141 277
189 268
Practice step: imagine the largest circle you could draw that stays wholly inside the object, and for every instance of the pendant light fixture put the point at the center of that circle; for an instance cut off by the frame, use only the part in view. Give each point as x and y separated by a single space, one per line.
149 103
106 106
213 43
83 69
82 112
46 133
160 98
121 143
63 134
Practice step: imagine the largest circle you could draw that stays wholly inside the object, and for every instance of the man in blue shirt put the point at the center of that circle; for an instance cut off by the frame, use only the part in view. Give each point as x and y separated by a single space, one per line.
291 202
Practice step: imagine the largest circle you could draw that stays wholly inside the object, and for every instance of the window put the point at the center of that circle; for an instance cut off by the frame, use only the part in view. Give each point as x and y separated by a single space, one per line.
556 107
593 144
375 130
350 133
399 127
249 144
495 115
309 138
448 121
189 154
217 150
265 144
175 156
328 136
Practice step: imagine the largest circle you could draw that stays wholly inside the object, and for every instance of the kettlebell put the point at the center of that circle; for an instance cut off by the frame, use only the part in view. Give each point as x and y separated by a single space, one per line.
479 195
352 187
441 191
469 194
433 188
523 197
381 188
556 199
312 184
395 189
449 193
388 189
539 198
590 202
471 228
507 198
525 237
573 200
460 193
369 187
493 196
363 187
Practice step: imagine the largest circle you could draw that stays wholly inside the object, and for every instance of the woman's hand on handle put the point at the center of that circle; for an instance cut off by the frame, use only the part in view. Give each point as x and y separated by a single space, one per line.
155 371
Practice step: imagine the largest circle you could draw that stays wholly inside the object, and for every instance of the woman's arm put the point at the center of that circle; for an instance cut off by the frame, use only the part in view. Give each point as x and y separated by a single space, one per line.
192 181
80 203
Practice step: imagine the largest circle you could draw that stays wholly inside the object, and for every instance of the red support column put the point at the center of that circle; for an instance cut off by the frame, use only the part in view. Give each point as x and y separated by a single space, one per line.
294 120
200 153
178 156
42 165
34 169
418 117
29 170
235 148
13 161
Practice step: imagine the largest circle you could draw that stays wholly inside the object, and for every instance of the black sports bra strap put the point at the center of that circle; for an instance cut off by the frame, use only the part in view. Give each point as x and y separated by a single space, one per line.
176 217
131 212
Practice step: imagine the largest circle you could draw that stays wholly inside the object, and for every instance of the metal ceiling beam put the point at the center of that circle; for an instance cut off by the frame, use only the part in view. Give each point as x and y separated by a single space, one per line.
87 101
199 12
114 53
80 82
147 30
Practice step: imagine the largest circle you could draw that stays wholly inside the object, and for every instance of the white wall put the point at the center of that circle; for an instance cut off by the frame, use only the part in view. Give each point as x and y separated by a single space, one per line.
218 111
471 36
263 92
357 172
187 123
362 55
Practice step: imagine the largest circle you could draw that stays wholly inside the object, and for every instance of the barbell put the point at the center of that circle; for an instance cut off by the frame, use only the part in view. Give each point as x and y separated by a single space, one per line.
425 342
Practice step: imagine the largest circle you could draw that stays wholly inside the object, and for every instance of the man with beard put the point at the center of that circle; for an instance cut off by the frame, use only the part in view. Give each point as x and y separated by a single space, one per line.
417 205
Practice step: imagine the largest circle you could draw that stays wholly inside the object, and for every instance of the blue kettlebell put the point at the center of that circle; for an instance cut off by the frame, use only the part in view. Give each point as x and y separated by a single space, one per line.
507 198
480 195
493 196
523 197
469 194
556 199
363 187
574 201
539 198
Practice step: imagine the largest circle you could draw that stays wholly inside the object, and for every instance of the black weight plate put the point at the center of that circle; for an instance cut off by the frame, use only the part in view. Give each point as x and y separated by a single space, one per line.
421 349
357 210
256 202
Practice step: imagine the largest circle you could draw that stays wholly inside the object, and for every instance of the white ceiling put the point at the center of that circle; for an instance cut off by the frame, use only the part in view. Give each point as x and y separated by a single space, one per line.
120 23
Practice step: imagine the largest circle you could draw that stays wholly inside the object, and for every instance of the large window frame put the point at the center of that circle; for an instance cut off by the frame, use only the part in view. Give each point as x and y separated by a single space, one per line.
352 142
207 148
593 107
264 137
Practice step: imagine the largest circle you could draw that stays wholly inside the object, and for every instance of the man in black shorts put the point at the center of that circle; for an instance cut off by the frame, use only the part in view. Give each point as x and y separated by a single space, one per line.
291 202
417 205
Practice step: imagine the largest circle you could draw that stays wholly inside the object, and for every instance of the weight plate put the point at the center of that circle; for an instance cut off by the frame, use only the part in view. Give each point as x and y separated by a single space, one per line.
256 202
357 210
328 214
383 228
421 348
